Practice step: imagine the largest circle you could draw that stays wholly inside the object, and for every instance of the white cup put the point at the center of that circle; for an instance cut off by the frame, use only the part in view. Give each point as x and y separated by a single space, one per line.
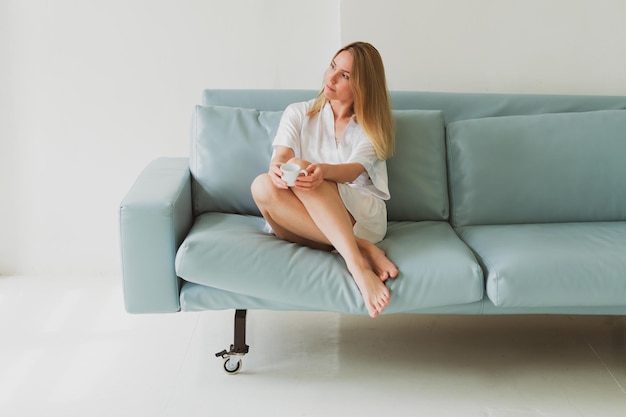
291 172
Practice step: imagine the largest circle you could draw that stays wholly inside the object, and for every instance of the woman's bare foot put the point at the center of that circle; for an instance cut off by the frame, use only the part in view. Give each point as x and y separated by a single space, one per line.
375 294
382 266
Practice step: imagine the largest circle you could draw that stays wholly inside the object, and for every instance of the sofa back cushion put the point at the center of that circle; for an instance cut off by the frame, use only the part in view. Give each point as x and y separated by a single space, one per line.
230 146
566 167
455 106
418 180
261 99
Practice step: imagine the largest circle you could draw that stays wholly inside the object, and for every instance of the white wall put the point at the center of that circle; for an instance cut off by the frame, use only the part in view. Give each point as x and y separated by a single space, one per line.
100 88
7 171
512 46
91 91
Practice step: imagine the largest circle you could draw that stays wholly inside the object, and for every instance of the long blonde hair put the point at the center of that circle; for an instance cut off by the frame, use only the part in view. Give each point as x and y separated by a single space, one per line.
372 107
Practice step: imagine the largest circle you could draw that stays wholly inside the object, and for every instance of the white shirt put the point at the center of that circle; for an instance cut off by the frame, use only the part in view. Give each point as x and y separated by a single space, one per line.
313 139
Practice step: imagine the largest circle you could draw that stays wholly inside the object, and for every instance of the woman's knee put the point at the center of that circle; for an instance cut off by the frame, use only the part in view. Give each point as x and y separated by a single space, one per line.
262 188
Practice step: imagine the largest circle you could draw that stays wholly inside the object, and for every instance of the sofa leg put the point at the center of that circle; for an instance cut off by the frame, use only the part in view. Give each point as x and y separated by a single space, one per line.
233 357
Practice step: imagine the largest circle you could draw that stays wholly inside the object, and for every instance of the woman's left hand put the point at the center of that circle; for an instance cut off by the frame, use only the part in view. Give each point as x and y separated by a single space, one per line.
314 178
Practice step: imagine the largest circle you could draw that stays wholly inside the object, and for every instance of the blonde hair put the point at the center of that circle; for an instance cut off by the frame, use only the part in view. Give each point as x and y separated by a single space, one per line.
372 107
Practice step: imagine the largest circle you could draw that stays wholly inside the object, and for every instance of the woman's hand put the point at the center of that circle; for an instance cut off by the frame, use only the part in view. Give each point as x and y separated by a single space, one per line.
318 173
314 178
281 155
275 174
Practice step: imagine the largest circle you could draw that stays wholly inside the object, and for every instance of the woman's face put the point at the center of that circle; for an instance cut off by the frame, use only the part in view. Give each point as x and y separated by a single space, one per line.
337 78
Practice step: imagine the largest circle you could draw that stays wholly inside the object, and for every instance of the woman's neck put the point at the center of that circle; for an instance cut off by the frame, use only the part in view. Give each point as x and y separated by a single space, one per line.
342 110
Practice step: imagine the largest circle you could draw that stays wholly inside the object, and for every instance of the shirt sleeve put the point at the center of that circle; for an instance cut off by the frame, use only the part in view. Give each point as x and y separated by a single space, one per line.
375 176
290 128
363 152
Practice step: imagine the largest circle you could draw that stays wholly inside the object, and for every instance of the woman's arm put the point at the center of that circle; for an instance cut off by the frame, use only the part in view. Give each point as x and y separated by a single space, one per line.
318 173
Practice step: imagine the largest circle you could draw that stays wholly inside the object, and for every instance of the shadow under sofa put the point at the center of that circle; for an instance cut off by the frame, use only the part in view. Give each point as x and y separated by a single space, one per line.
501 204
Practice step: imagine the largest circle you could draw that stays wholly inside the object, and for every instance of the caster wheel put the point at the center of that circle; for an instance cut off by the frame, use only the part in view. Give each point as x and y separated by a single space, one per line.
232 366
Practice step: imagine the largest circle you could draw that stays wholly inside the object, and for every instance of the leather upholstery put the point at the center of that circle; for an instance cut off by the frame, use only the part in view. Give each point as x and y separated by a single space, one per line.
535 203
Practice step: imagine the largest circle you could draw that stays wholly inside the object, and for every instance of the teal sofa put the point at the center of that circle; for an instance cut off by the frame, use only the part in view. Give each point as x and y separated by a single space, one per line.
500 204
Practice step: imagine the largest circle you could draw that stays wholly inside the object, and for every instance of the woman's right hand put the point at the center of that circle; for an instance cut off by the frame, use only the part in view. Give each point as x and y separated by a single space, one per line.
281 155
276 175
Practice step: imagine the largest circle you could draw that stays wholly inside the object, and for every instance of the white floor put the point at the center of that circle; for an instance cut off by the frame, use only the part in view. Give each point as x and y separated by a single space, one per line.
67 348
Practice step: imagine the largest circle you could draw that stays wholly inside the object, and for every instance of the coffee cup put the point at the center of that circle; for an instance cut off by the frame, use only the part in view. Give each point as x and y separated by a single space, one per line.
291 172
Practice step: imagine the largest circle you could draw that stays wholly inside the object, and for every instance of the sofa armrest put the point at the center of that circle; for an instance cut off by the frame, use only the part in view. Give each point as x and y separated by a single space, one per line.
155 217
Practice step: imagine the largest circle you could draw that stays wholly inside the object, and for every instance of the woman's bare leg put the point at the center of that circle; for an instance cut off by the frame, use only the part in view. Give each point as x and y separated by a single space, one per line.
319 216
286 215
301 229
377 258
328 212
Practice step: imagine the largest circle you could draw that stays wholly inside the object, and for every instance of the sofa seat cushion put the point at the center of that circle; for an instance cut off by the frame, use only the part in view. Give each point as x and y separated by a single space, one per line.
232 253
552 265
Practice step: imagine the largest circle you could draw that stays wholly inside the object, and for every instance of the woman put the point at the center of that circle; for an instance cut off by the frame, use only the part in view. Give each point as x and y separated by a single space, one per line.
342 139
